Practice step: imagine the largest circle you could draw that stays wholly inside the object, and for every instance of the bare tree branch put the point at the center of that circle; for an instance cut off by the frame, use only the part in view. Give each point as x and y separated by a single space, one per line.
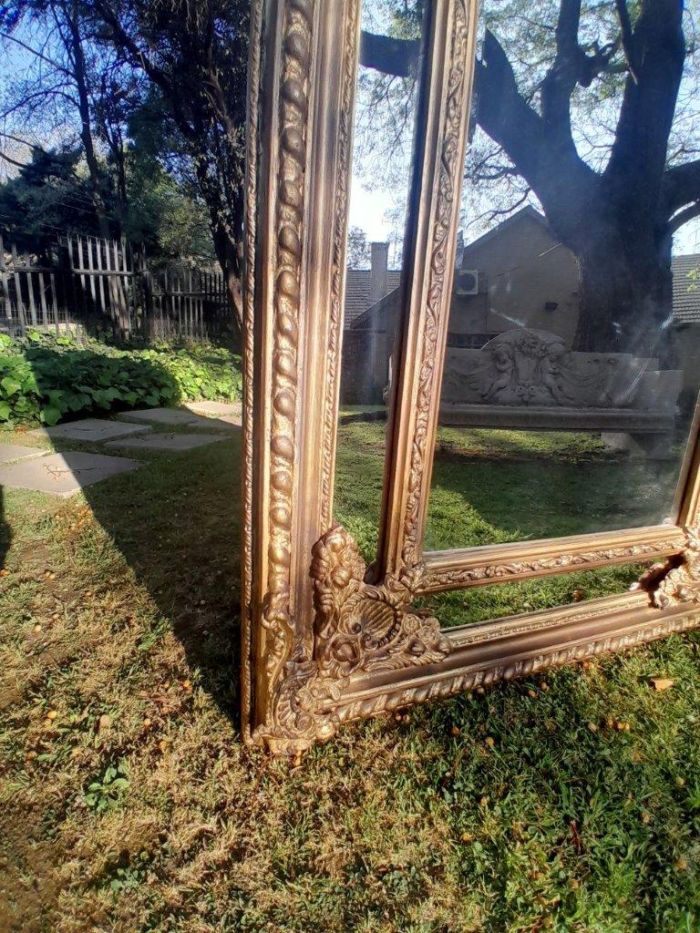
9 37
392 56
689 213
681 186
627 37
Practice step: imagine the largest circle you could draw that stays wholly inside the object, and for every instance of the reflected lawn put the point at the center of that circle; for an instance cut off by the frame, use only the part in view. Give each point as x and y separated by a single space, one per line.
495 486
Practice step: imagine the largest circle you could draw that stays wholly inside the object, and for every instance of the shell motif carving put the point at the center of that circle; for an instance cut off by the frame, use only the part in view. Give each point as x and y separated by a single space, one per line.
359 629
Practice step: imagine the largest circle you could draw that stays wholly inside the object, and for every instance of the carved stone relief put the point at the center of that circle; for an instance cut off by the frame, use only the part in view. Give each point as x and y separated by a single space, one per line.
527 367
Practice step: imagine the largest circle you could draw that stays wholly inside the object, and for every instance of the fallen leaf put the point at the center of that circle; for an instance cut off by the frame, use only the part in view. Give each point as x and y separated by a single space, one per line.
661 683
576 836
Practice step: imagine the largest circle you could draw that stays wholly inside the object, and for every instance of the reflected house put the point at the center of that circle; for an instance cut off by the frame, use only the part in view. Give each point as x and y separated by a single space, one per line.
515 276
366 341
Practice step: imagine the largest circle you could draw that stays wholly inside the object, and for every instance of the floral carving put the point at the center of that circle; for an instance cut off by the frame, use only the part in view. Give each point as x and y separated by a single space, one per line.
248 355
345 118
484 573
406 695
681 583
359 628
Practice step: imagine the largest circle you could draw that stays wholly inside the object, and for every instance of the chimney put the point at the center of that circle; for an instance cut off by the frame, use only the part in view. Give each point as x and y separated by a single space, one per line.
459 258
378 288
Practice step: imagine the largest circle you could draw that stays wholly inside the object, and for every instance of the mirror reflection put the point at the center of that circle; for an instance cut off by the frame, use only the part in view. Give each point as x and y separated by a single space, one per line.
486 603
384 127
573 353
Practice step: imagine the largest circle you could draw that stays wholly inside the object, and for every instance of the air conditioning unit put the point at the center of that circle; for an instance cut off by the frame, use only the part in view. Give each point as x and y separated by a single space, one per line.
467 282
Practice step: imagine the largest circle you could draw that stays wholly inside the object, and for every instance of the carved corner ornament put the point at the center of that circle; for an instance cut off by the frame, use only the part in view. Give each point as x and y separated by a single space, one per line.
678 581
359 629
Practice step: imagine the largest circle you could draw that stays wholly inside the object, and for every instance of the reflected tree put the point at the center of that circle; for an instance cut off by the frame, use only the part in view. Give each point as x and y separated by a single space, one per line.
583 107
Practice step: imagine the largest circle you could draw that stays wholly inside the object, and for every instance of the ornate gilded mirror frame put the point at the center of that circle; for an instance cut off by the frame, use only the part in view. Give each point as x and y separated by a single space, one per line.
325 639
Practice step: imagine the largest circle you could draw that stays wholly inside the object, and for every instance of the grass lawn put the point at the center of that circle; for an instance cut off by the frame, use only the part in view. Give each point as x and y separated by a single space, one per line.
565 802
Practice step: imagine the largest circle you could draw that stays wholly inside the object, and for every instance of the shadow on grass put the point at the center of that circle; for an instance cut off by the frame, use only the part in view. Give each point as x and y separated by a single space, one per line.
176 523
174 520
5 533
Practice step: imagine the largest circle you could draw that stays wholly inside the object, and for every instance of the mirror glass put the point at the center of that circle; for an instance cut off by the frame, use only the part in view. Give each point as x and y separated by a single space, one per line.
485 603
384 126
573 353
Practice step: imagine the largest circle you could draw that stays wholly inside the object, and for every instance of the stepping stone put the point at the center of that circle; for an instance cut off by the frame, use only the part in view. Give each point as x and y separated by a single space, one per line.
64 474
164 441
11 452
218 409
164 416
221 415
89 429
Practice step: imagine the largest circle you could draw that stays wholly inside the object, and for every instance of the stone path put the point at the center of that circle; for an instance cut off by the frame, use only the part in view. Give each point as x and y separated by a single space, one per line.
63 474
164 441
225 411
166 416
89 429
12 452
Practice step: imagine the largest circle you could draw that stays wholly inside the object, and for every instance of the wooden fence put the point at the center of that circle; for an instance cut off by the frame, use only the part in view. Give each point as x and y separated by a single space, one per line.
81 283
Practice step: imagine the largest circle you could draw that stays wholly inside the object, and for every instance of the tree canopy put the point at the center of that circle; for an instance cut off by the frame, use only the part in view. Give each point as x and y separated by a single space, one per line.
152 99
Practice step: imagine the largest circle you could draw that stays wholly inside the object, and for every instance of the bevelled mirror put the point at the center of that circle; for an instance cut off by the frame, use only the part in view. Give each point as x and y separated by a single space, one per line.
472 347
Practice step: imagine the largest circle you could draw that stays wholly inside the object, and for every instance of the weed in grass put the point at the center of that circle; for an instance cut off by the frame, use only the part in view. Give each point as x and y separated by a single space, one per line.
107 791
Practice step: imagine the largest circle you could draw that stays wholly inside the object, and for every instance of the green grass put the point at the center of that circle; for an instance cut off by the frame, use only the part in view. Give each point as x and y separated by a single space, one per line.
569 801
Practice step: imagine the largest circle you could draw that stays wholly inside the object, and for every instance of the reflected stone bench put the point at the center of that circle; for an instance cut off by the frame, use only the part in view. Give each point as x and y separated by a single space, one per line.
528 380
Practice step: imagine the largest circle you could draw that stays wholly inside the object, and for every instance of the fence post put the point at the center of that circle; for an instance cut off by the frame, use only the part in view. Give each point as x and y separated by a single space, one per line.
18 293
4 285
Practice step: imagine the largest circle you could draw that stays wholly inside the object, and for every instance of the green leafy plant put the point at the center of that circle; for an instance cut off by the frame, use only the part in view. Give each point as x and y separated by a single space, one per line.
106 792
129 873
47 379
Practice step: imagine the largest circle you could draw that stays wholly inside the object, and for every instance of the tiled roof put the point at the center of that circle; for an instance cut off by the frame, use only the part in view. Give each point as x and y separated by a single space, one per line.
686 288
357 291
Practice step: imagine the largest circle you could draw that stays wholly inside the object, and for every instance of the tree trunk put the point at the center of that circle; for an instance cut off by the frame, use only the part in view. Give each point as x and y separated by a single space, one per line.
228 254
625 300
